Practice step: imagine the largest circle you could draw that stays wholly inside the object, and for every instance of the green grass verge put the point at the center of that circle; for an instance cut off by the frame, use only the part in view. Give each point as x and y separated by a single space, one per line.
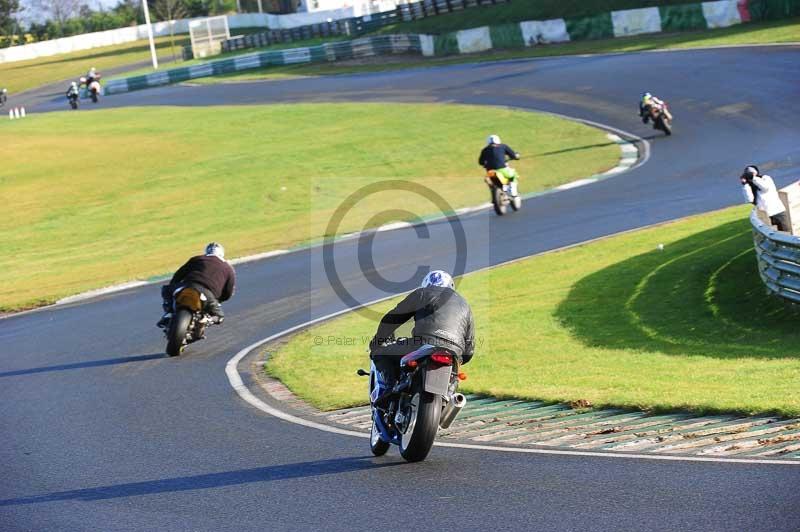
151 185
23 75
615 322
785 31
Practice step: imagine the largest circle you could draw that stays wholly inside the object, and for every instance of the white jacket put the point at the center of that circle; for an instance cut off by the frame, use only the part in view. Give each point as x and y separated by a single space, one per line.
768 199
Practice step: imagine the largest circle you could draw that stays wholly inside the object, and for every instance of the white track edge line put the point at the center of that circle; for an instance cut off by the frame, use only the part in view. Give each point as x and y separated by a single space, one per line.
235 380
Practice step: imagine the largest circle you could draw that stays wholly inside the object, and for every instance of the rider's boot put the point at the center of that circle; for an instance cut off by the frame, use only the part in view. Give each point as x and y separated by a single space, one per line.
164 321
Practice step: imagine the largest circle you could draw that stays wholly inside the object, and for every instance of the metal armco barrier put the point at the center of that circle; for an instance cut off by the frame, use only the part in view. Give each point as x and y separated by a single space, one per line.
334 51
778 255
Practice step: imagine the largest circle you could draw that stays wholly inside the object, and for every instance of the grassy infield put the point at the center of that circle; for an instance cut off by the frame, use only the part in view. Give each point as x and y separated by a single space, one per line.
615 322
161 181
622 324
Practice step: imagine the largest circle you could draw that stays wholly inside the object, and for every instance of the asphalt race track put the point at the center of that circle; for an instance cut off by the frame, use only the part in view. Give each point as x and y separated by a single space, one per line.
101 432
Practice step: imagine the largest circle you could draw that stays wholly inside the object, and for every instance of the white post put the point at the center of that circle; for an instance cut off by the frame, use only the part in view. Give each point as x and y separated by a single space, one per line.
150 34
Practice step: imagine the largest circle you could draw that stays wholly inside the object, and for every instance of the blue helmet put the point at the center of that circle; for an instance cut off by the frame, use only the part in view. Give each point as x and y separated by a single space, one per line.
438 278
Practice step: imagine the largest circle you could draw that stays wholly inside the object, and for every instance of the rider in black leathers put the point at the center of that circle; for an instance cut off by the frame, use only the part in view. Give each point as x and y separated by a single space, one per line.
210 274
441 318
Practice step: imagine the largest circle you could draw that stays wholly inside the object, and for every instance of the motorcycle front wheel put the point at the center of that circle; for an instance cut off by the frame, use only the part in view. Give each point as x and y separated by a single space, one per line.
376 444
423 423
176 337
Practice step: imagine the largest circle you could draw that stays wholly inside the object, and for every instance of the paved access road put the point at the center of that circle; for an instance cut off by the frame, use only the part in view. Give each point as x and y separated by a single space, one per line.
100 432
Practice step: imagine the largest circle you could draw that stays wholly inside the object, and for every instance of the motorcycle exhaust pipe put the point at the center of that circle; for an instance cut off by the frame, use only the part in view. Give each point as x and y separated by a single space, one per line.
452 409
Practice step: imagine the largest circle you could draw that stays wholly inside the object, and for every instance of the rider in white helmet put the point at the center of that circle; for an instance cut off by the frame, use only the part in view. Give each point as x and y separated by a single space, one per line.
493 159
441 317
647 102
73 91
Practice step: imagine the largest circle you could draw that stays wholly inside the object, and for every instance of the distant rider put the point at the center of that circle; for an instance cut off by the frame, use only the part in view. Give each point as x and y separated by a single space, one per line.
493 157
210 274
73 92
441 318
647 103
91 76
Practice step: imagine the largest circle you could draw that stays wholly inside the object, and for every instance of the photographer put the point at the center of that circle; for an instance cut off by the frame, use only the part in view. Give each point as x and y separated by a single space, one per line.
760 190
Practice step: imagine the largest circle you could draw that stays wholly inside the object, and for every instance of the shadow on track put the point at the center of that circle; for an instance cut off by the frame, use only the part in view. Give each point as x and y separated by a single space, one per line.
209 480
81 365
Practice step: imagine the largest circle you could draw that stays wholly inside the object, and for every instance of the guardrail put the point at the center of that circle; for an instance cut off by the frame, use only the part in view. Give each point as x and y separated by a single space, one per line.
778 255
333 51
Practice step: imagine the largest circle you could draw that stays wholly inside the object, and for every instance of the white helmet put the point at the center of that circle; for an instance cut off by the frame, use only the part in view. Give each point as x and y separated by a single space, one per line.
493 139
216 249
438 278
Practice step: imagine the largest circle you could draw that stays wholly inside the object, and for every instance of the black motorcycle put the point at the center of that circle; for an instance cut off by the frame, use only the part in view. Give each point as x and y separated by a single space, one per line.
409 412
188 322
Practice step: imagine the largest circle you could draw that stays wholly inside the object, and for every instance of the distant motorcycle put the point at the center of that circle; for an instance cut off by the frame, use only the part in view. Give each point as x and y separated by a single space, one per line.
188 322
501 195
661 117
92 87
424 398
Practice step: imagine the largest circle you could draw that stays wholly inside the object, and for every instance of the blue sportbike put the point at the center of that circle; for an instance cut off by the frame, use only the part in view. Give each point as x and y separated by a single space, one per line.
409 412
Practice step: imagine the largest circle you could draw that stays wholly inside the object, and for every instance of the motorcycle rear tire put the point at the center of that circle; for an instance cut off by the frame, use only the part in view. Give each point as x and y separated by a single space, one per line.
500 207
177 332
425 426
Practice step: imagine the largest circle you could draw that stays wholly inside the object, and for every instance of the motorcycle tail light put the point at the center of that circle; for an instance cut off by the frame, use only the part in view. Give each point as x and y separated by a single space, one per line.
442 358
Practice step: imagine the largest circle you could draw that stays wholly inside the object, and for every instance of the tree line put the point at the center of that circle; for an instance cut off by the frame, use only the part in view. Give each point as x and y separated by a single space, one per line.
63 18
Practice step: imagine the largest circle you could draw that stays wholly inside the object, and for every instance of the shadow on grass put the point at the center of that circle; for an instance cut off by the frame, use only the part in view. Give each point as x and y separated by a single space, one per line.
700 296
209 480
